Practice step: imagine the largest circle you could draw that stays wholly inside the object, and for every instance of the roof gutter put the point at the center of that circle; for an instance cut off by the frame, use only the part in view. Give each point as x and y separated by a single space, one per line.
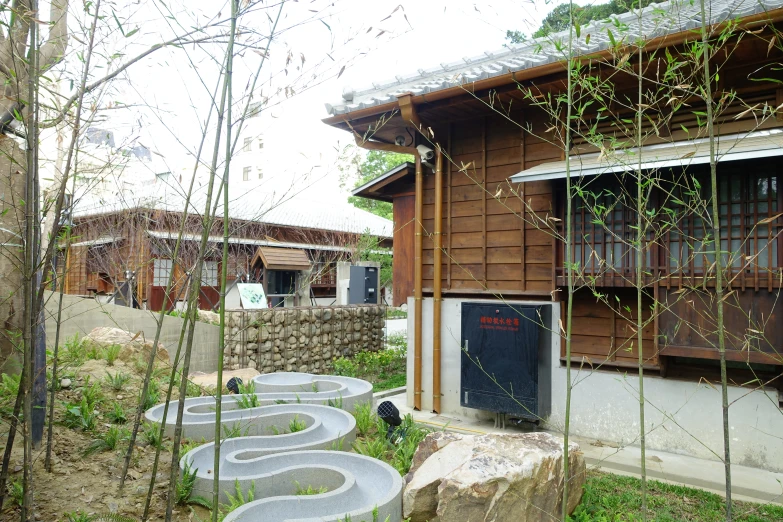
775 15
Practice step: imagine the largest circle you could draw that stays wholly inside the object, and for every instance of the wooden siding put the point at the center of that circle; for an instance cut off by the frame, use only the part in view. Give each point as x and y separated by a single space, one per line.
404 236
488 245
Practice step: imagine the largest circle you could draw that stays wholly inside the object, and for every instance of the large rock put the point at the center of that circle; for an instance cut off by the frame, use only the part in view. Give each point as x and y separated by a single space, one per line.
491 478
132 344
208 316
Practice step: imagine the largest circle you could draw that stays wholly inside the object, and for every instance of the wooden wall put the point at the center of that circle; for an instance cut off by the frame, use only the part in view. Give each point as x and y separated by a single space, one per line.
488 246
404 237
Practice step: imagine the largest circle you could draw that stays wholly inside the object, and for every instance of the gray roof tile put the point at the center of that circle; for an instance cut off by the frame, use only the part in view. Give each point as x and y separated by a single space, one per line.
658 20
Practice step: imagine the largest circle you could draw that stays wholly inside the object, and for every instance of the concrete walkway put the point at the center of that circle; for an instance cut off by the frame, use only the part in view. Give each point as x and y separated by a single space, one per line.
748 484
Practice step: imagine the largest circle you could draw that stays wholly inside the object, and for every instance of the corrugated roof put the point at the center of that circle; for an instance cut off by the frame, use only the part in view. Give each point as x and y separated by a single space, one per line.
253 205
759 144
658 20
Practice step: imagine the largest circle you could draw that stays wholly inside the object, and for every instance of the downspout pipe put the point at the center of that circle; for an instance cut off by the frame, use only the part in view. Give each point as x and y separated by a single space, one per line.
417 266
417 283
437 281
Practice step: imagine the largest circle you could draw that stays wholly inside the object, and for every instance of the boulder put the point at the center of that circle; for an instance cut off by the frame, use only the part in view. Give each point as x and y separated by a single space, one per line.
491 478
132 344
208 316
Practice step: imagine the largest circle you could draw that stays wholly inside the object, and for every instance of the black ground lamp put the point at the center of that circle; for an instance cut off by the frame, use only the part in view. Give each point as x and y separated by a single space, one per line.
389 414
233 384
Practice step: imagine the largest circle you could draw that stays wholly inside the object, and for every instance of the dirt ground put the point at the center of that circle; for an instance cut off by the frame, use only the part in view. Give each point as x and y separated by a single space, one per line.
90 484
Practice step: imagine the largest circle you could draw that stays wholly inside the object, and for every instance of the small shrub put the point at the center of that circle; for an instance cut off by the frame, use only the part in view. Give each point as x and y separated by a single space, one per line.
246 389
309 490
80 415
107 442
117 414
247 401
16 491
296 425
94 352
116 381
364 418
150 433
111 353
375 447
238 500
92 392
153 394
74 351
345 367
185 484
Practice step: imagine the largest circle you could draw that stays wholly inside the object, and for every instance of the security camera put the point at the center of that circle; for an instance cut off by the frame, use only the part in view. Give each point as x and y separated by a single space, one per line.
425 152
399 141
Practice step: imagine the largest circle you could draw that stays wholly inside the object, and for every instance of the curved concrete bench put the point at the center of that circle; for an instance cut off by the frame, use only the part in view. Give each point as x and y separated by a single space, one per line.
198 419
356 484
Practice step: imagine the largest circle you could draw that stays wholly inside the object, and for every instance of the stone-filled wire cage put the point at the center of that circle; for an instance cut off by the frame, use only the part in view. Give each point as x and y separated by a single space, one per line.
301 339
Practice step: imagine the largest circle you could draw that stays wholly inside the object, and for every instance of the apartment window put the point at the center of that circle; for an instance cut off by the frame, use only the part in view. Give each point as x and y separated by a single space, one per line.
248 144
161 271
260 172
260 143
209 273
246 174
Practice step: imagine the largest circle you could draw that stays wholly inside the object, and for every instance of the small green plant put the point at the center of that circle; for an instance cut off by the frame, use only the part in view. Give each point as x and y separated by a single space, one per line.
346 367
94 352
185 484
336 402
234 431
189 445
74 351
117 414
248 399
92 392
338 445
9 388
274 429
238 500
364 418
16 491
117 381
80 415
375 447
153 394
296 424
107 442
111 353
150 433
309 490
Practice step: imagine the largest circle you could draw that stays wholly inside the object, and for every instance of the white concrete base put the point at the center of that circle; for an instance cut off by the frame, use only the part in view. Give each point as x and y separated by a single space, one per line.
682 417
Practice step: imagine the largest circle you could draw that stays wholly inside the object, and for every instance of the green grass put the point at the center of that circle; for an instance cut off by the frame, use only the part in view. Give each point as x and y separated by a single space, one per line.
615 498
385 369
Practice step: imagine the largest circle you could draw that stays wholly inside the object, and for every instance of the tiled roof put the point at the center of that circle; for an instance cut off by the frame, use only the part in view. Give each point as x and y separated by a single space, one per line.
253 205
657 20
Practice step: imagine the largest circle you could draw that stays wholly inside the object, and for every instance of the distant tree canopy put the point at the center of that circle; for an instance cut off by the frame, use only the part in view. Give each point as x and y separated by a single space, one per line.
367 169
558 18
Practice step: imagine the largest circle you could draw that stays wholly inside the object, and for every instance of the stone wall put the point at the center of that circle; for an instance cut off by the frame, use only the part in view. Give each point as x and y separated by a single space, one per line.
301 339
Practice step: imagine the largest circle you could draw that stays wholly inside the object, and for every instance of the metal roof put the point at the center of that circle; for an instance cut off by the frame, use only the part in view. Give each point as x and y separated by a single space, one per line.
246 205
759 144
249 241
658 20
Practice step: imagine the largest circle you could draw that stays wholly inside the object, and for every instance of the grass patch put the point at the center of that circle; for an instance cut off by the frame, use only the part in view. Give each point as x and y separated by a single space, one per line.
615 498
385 369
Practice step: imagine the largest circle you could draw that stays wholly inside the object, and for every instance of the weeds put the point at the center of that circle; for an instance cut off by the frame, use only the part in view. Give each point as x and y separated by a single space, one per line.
117 414
309 490
9 388
337 402
117 381
238 500
92 392
338 445
185 484
153 394
234 431
74 351
16 491
375 447
189 445
80 415
247 399
296 425
107 442
150 433
111 353
364 418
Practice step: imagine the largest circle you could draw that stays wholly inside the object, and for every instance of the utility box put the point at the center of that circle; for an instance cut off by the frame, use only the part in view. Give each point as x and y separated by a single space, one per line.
363 285
500 360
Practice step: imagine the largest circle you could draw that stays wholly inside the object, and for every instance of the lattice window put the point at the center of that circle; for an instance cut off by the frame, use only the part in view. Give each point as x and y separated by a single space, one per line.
161 272
209 273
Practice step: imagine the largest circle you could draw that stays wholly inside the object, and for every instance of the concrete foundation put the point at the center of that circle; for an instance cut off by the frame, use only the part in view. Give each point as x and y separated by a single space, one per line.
682 417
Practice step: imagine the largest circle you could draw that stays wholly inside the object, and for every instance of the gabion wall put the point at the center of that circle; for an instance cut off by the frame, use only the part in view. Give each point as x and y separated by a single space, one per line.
300 339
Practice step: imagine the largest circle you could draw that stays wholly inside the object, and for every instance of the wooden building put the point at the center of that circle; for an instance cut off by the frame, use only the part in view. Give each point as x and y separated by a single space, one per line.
487 198
124 241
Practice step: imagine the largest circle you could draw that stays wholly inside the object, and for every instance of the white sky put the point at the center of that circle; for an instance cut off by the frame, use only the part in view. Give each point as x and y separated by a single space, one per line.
419 34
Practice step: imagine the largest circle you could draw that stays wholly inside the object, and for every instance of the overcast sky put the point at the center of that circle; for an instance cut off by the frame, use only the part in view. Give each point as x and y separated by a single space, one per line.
373 40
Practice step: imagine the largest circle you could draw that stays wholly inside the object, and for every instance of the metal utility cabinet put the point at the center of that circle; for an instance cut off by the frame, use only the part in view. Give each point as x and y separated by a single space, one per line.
500 359
363 285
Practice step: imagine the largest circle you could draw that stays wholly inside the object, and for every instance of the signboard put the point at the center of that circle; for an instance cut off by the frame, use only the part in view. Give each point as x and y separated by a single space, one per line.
252 296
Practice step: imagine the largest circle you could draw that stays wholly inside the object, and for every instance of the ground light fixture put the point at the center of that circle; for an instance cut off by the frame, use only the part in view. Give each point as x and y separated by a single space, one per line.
233 384
389 414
